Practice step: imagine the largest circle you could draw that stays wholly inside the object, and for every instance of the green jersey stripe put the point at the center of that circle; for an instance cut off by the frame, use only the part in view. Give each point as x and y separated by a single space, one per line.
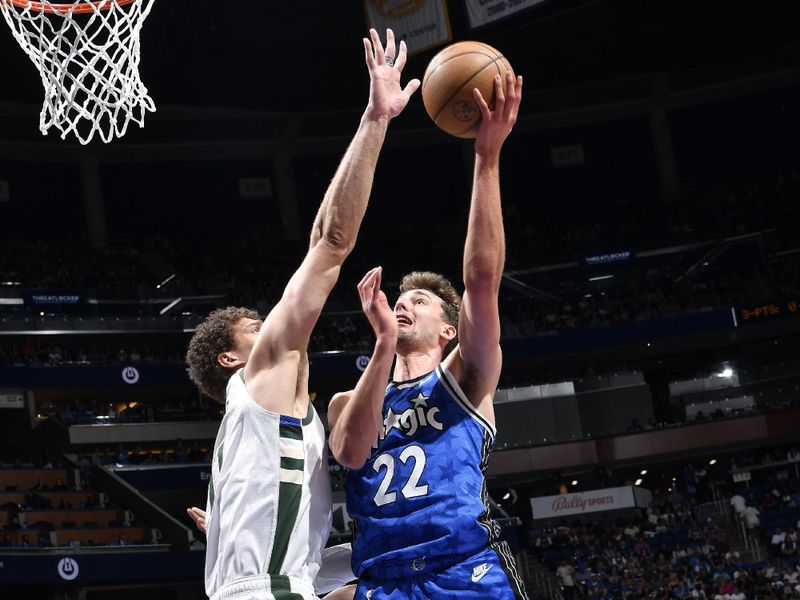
293 432
289 495
295 464
281 588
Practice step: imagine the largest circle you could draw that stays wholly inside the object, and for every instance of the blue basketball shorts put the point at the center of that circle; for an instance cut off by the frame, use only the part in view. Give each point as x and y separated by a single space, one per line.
491 573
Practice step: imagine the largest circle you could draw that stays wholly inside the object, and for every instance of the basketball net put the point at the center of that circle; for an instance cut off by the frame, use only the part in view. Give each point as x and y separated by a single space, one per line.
87 52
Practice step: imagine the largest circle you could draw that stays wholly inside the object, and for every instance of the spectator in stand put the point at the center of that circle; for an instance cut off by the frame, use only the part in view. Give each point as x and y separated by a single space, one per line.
738 503
778 537
642 548
181 453
64 504
751 516
566 578
122 457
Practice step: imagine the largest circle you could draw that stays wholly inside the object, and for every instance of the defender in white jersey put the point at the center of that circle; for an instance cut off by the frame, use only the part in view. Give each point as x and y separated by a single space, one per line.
269 505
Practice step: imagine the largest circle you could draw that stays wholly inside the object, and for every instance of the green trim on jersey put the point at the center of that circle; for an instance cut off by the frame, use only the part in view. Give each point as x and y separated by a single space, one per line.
281 588
292 432
295 464
289 495
219 455
309 414
290 492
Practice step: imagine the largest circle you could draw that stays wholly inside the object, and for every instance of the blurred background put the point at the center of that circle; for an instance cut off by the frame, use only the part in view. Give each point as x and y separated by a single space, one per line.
649 408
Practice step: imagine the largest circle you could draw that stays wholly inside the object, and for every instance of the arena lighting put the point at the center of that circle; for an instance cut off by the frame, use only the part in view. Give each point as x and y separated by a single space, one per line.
726 372
638 482
713 461
601 277
643 472
574 482
165 282
170 306
506 496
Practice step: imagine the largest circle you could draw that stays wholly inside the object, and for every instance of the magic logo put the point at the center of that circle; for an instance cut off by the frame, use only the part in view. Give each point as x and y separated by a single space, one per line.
411 419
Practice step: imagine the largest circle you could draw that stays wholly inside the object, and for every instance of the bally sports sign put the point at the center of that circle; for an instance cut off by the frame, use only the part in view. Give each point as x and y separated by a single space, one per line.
615 498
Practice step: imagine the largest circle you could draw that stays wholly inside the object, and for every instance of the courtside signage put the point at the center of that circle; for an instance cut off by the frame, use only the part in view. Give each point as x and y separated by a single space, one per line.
562 505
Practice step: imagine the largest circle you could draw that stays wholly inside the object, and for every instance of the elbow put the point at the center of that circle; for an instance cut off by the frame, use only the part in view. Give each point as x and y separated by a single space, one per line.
478 279
346 455
336 241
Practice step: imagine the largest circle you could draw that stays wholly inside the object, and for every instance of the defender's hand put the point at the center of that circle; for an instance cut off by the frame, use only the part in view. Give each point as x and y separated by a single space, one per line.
386 96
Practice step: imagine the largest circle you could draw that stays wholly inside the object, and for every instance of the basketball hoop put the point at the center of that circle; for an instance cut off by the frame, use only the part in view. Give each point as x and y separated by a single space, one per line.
87 53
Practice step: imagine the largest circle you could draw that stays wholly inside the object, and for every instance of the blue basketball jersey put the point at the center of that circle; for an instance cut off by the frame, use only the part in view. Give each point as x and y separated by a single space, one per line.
421 500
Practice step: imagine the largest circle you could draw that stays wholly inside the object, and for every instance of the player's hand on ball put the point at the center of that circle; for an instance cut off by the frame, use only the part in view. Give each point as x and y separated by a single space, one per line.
387 97
496 124
199 517
376 306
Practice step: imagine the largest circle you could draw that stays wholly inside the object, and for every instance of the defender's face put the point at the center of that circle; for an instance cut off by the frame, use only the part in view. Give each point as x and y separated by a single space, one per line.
420 317
245 333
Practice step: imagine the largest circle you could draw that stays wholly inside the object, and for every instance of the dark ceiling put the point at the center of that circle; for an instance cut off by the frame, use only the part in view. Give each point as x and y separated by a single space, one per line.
300 57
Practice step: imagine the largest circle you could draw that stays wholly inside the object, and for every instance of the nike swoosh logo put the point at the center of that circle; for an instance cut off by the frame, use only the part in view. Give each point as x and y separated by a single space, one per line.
476 577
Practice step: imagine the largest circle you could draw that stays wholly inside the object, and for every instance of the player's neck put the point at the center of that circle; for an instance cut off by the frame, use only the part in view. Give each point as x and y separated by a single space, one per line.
413 364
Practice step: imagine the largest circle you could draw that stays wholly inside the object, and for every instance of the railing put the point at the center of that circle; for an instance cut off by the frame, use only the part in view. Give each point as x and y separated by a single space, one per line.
744 533
538 581
750 540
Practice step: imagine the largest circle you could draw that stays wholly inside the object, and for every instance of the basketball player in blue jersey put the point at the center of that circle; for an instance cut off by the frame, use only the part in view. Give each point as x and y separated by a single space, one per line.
268 515
416 449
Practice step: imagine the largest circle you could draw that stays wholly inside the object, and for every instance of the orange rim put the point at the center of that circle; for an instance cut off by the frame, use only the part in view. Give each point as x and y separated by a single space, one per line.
75 7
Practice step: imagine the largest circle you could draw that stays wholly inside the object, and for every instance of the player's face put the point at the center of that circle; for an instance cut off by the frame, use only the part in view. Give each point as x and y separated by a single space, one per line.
245 334
420 318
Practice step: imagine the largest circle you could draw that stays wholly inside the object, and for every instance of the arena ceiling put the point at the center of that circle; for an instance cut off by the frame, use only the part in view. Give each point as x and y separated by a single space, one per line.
307 57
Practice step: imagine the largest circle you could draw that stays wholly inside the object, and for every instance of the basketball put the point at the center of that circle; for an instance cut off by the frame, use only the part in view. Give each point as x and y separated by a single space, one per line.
448 82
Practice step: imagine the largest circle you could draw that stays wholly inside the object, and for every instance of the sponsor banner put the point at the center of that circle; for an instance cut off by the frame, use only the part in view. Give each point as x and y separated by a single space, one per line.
608 258
564 505
336 364
483 12
43 298
12 401
97 566
422 24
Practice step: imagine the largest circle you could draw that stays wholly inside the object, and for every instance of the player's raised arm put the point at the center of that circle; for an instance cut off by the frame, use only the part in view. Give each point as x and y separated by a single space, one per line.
355 417
478 359
287 328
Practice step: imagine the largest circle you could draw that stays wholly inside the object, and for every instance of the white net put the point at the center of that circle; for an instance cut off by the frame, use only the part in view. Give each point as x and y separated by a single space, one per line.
87 53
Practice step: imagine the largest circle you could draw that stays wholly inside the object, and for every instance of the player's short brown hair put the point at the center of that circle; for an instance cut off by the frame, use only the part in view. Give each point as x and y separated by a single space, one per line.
441 287
214 336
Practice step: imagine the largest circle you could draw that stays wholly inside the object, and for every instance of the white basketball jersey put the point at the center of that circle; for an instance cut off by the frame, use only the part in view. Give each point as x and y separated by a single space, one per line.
269 501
